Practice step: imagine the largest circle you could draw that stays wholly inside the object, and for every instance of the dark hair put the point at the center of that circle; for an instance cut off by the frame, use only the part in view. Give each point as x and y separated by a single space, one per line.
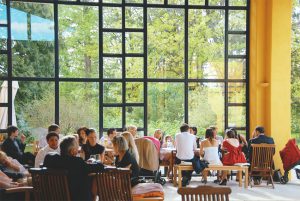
11 129
195 130
184 127
260 129
234 132
90 130
80 129
230 133
111 131
53 127
213 128
52 134
66 145
209 133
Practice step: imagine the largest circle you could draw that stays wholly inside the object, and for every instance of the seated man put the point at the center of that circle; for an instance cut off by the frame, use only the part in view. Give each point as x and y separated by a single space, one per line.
14 147
52 128
185 145
52 140
106 141
260 138
78 170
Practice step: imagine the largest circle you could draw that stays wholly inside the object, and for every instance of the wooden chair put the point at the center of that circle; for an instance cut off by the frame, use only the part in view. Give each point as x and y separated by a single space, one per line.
25 190
262 162
113 184
207 193
50 185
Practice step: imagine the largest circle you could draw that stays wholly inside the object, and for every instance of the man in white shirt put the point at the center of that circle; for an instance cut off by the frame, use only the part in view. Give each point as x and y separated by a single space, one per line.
43 141
52 140
185 145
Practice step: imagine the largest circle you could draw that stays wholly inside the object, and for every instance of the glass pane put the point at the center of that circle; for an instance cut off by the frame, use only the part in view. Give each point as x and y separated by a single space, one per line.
135 116
34 105
134 42
134 17
112 67
3 16
112 17
236 92
237 68
134 1
32 52
216 2
206 105
3 38
112 1
112 92
237 116
134 67
4 119
237 20
3 65
165 107
155 2
112 117
165 43
78 36
236 44
112 43
237 2
196 2
78 105
134 92
206 44
176 2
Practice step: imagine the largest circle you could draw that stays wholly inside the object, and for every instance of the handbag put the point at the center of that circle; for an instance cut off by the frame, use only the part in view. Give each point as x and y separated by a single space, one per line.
277 175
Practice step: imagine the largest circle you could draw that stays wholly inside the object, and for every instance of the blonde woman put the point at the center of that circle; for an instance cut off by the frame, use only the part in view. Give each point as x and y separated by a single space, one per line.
131 145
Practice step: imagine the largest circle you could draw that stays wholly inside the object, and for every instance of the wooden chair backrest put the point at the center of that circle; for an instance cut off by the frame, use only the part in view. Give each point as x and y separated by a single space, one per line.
113 184
262 157
50 185
204 193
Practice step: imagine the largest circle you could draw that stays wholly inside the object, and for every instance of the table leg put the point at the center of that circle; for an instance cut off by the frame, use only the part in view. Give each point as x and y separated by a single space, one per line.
174 175
179 177
240 177
246 178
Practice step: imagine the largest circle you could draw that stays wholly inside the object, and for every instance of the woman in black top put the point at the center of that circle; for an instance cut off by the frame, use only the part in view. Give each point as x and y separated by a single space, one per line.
124 159
92 147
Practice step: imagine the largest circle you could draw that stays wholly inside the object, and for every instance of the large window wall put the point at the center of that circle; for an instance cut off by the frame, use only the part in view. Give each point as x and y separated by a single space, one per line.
154 64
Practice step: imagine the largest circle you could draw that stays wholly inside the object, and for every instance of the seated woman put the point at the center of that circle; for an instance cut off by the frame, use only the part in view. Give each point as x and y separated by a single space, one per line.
209 151
82 133
233 150
12 167
92 147
168 142
124 159
131 145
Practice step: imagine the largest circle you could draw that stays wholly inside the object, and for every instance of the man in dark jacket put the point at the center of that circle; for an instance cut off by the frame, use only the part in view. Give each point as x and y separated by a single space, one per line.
14 147
78 170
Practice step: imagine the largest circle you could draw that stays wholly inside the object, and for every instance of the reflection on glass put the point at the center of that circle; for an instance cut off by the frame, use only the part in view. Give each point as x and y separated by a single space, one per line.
32 51
196 2
236 44
34 105
135 116
237 20
112 92
206 44
3 38
134 92
112 67
237 2
78 105
112 17
165 106
3 65
236 92
237 68
165 43
206 105
112 117
134 17
134 42
237 116
112 43
216 2
78 35
134 67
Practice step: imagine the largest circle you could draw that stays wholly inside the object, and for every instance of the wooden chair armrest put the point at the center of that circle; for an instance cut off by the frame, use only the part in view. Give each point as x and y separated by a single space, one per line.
149 199
19 189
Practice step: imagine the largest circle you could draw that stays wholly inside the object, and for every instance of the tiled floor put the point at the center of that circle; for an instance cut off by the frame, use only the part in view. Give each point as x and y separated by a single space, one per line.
287 192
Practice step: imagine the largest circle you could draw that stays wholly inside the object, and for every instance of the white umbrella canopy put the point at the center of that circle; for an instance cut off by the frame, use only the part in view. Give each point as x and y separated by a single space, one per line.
4 99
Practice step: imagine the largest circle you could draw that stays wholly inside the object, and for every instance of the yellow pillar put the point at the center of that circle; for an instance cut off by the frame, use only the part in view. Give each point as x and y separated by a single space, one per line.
270 69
